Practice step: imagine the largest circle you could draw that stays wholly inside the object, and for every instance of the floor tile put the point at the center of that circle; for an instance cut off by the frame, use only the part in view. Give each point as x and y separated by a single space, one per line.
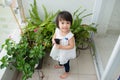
85 63
87 77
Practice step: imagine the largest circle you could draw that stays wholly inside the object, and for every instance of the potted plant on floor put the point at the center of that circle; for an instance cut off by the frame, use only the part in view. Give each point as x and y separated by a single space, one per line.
34 42
83 32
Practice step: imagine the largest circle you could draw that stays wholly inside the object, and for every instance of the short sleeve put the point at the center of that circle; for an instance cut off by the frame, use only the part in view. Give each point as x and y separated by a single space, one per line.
57 30
69 35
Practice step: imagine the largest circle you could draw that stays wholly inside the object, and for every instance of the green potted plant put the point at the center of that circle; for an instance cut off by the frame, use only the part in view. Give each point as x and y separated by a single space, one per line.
82 31
35 41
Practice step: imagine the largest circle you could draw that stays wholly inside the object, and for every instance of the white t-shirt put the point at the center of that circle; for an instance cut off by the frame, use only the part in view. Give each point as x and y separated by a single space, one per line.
62 55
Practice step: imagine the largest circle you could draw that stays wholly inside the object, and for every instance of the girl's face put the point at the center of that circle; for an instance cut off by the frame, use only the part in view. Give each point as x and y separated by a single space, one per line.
64 26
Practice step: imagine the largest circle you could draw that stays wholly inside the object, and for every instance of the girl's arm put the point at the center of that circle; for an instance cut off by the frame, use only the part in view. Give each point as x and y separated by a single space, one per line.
71 44
53 41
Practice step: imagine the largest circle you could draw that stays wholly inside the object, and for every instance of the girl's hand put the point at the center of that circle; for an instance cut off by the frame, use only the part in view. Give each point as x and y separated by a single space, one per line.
58 46
53 41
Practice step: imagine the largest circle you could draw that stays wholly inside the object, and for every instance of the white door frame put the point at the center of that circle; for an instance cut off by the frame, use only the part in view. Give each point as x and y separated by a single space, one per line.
101 15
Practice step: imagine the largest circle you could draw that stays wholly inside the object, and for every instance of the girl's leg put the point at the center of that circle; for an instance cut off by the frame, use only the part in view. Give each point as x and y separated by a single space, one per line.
59 66
67 69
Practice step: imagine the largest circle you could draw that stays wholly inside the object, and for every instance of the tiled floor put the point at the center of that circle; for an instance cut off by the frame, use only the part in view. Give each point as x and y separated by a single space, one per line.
82 68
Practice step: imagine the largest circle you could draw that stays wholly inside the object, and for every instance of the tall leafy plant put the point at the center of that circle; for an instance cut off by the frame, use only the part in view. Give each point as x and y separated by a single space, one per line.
82 32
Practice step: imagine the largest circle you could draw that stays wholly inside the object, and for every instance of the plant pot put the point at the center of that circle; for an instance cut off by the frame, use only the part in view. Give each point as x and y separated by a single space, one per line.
85 45
39 65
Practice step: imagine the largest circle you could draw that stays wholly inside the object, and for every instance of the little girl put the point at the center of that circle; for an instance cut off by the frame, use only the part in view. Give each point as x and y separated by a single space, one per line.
66 50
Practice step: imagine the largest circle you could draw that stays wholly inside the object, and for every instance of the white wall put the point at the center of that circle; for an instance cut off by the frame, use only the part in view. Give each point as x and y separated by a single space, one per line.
7 23
103 14
54 5
114 24
106 15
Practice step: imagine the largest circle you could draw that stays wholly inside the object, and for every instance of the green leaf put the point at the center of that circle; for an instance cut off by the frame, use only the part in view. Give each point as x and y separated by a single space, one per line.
24 77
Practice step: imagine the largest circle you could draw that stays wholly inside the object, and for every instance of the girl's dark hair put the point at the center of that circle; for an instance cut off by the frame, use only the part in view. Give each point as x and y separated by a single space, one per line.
63 15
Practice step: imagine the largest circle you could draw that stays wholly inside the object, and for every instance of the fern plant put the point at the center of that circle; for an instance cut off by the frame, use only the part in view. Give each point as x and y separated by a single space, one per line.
82 32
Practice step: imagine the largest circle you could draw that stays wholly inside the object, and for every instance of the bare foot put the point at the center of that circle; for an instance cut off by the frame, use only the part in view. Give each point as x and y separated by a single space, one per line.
64 75
58 67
